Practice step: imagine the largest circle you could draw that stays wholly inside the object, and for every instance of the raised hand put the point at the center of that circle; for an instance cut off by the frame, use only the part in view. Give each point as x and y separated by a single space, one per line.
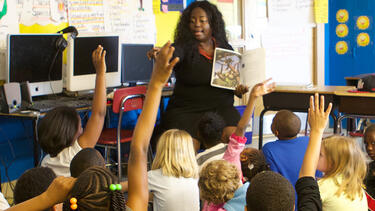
262 88
241 89
317 117
98 59
59 189
151 54
163 65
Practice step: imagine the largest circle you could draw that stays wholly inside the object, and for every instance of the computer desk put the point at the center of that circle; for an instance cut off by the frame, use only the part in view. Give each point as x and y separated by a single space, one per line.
355 105
35 116
297 99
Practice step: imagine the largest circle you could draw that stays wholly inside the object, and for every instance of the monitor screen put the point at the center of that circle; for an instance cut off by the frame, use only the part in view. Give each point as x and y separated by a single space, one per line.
30 57
135 66
83 48
80 72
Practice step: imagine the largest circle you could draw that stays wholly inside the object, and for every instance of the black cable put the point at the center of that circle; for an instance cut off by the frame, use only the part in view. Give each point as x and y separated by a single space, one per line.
50 70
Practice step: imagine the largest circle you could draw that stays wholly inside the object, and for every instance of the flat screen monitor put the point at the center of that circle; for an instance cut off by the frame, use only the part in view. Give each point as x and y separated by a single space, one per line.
29 58
136 68
80 72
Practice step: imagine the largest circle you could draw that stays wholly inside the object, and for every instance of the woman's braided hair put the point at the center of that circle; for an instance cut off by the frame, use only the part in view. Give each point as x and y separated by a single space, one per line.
92 191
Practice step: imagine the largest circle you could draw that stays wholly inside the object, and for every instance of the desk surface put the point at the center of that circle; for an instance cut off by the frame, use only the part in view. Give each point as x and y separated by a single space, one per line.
355 94
314 89
356 77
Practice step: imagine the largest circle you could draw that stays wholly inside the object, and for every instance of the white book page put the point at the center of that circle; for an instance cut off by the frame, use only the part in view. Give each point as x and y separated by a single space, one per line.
226 69
253 67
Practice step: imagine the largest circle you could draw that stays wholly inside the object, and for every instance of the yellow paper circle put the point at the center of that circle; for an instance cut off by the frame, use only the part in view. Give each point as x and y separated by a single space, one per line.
363 22
341 47
342 30
342 16
363 39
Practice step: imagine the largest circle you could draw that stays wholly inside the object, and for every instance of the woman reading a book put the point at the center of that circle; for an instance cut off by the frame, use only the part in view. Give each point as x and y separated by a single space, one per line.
199 31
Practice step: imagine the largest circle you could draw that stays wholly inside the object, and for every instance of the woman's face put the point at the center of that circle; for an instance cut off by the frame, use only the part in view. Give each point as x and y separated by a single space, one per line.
199 25
370 145
322 163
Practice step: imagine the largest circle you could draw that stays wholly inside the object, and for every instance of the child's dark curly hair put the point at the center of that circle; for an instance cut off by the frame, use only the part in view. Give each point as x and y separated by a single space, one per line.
210 129
183 34
252 162
92 191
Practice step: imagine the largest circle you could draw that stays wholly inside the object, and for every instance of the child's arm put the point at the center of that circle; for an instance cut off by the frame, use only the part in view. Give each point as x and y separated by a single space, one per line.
95 124
137 171
318 119
56 193
237 141
257 91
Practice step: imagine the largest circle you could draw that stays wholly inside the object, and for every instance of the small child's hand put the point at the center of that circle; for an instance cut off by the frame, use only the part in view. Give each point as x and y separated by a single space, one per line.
163 66
317 117
98 59
151 54
59 189
262 88
241 89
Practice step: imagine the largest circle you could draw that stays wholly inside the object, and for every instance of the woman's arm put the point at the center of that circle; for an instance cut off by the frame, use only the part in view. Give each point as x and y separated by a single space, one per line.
99 104
137 171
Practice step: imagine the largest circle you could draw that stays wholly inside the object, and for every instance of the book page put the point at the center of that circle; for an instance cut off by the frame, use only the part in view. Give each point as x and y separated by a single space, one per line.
253 67
226 69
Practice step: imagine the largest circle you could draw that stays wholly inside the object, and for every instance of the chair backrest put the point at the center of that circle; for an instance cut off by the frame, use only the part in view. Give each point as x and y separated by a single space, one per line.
132 103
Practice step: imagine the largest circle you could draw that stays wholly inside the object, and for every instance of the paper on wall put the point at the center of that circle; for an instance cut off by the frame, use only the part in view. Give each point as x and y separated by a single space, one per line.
86 15
42 12
291 12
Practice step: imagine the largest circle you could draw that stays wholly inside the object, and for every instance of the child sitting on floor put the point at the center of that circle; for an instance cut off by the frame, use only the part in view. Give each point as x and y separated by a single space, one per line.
252 163
270 191
285 155
344 167
220 181
32 183
60 133
174 173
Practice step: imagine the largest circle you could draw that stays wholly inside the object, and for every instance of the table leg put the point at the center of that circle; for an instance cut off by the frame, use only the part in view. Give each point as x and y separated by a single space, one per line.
260 140
36 143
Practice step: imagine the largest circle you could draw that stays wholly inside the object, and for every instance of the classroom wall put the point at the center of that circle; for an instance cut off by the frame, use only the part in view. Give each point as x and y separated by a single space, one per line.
358 59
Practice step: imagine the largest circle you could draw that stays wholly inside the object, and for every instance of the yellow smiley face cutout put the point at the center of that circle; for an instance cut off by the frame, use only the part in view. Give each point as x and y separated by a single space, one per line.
341 47
342 16
342 30
363 22
363 39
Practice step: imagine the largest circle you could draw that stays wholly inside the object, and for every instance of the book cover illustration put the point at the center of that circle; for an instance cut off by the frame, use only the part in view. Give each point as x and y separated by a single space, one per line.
226 69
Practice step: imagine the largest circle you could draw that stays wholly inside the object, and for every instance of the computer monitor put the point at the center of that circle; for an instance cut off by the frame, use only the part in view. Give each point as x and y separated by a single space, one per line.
80 72
136 68
34 58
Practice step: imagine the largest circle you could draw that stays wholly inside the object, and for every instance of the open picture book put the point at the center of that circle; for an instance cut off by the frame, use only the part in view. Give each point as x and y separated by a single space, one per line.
231 68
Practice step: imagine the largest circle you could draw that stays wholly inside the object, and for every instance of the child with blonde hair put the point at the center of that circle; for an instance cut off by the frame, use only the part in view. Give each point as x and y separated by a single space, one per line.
174 173
344 167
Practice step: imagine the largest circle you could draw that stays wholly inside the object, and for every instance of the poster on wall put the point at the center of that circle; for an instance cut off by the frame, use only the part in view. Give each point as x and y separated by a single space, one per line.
291 12
86 15
8 20
42 12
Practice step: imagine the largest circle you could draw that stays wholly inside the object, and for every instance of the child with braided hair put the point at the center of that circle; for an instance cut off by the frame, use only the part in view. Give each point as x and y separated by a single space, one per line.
96 189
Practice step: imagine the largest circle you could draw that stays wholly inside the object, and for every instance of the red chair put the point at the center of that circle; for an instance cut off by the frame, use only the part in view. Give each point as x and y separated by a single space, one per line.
124 99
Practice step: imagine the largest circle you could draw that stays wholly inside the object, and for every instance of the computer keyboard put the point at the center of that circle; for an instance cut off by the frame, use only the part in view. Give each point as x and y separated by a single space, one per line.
47 105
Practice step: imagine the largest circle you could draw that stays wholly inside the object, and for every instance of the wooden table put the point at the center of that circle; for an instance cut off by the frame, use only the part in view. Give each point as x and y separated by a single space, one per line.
297 99
355 105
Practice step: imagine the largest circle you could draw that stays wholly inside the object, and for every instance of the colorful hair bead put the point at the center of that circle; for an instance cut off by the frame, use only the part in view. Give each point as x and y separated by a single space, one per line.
73 203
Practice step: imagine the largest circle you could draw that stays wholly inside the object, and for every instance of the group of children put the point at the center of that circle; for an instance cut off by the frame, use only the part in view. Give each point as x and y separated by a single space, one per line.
223 177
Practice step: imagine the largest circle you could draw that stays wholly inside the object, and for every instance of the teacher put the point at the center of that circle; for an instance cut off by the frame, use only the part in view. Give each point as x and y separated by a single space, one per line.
199 31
